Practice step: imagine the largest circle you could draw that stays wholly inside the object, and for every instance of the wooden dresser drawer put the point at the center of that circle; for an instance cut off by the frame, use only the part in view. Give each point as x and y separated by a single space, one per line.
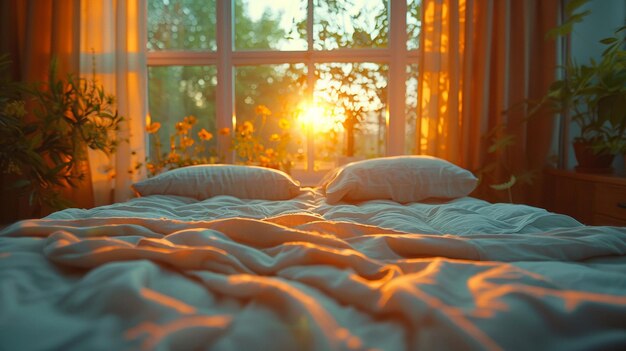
610 200
599 219
593 199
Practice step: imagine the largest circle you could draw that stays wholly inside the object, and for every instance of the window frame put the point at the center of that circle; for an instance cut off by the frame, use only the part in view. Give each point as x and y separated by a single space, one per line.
396 55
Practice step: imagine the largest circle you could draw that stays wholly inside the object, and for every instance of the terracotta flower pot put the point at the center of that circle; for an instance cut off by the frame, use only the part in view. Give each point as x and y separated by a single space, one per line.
591 162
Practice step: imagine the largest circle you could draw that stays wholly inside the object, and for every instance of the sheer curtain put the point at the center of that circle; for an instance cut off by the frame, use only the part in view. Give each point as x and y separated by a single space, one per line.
478 59
112 43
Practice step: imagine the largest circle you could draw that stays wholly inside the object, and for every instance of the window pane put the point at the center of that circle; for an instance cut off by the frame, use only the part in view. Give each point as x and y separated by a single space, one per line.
268 24
181 25
350 24
411 109
353 96
176 92
413 23
266 101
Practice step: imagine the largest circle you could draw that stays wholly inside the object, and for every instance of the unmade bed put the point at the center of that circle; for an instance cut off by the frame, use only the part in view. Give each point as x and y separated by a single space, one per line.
388 254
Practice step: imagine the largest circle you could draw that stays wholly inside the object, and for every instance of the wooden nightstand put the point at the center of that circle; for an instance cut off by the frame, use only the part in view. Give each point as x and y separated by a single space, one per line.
593 199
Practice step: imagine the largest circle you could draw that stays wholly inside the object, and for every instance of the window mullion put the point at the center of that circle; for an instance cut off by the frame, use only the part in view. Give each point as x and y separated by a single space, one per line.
396 117
310 81
225 86
253 57
181 58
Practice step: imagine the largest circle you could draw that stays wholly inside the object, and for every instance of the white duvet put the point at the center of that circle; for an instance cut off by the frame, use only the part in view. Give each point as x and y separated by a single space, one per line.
227 274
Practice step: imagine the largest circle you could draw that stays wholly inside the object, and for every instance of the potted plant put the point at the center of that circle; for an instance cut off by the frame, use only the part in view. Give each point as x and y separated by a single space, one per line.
45 130
594 96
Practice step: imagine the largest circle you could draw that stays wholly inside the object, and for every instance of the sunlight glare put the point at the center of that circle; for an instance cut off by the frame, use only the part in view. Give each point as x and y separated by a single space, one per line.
310 115
315 118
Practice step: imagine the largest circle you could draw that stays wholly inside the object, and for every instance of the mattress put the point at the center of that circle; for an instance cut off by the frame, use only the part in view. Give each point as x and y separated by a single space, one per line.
176 273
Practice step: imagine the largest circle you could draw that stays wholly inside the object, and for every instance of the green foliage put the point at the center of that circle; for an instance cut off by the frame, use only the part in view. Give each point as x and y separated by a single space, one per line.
594 94
176 91
331 33
414 23
265 33
45 129
356 91
359 89
181 25
572 17
499 143
506 186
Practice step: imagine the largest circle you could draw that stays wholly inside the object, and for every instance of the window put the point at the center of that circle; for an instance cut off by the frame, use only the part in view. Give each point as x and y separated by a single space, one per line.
339 76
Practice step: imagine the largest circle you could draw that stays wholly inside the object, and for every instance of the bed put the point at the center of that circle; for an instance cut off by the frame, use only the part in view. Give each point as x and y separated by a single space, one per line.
388 254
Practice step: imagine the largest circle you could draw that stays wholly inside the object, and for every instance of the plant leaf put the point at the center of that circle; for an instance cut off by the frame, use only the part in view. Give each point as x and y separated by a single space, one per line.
501 143
504 186
608 40
574 5
19 184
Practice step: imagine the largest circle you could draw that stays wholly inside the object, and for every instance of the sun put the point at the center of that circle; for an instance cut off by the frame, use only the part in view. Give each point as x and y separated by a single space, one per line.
310 115
315 118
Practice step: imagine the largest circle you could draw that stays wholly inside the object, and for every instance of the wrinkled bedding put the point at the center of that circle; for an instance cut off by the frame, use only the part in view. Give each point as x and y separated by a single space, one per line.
165 272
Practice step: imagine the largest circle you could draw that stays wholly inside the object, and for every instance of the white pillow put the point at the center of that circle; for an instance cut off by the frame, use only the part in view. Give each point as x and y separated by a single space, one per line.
402 179
205 181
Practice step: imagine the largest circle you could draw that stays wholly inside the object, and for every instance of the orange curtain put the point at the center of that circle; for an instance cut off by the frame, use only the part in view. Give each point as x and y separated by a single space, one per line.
33 32
480 58
36 30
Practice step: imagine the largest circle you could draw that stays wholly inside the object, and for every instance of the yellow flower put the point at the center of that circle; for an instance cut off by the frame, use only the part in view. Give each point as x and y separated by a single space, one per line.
224 131
205 135
190 120
262 110
283 124
152 128
173 157
274 137
182 128
186 142
258 147
247 125
264 160
269 152
246 128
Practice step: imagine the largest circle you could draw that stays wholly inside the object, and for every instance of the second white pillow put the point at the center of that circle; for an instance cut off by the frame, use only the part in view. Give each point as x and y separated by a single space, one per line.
402 179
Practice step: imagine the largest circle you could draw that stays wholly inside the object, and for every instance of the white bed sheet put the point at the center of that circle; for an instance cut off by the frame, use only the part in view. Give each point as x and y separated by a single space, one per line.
174 273
460 216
